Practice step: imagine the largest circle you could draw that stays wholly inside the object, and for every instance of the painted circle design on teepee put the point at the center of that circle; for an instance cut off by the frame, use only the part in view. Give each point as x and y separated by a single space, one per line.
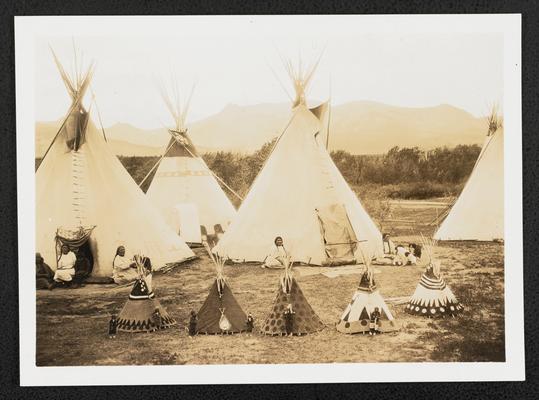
364 322
442 309
452 308
432 310
417 308
347 325
424 311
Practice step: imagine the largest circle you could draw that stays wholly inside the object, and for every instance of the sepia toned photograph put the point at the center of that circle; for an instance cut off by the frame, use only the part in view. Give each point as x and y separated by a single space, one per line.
214 191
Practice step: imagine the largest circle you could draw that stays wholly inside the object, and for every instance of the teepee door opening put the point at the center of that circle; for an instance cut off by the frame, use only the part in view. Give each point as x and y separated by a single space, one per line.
188 222
337 234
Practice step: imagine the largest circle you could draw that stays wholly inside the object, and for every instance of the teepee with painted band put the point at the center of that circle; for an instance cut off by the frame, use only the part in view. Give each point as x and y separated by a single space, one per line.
221 312
291 313
183 188
432 297
358 316
88 200
301 196
143 312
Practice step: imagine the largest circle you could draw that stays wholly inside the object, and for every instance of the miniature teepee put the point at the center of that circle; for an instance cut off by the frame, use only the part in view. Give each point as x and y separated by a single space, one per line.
220 313
301 196
356 317
143 312
432 297
85 196
183 188
290 300
478 213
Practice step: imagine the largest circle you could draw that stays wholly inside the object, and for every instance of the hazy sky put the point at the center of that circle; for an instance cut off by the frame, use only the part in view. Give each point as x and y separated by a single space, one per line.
232 62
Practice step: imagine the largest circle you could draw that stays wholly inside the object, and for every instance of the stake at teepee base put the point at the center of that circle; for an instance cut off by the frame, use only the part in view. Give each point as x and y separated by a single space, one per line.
367 312
220 313
432 297
291 313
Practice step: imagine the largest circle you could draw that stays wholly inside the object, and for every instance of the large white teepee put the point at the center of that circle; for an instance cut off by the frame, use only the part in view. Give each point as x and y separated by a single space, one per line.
81 185
183 188
478 212
301 196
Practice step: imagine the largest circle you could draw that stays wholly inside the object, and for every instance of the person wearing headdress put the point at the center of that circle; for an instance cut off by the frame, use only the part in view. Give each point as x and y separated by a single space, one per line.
44 274
124 269
66 266
275 259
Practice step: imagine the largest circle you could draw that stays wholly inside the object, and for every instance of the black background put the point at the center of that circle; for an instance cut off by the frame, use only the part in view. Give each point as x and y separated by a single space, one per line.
9 341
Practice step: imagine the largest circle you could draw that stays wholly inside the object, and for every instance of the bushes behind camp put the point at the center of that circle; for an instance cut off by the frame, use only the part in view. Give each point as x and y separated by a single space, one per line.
401 173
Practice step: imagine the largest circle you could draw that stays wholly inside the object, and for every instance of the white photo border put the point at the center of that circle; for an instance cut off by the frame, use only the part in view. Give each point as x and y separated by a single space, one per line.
513 369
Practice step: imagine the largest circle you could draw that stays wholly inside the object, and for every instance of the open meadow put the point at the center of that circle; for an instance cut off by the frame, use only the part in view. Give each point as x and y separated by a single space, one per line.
72 324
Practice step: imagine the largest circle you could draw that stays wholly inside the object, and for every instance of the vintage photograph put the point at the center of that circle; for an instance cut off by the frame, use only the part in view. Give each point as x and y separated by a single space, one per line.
219 192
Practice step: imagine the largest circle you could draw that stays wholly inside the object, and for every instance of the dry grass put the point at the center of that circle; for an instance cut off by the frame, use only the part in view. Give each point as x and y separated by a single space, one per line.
72 324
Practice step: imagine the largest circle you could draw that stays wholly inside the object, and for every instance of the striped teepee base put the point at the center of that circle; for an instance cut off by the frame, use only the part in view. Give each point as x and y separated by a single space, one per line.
433 298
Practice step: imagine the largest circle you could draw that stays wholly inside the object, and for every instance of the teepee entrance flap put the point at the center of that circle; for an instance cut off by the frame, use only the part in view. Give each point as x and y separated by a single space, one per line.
339 239
188 222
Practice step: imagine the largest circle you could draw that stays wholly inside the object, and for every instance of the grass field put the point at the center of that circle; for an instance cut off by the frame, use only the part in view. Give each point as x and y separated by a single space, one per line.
72 324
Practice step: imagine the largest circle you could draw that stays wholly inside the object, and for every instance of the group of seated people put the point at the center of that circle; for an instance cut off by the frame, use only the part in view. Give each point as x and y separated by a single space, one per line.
400 254
72 270
74 267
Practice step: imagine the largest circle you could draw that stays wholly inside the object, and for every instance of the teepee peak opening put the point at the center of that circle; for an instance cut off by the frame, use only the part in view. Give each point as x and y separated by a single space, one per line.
301 77
77 82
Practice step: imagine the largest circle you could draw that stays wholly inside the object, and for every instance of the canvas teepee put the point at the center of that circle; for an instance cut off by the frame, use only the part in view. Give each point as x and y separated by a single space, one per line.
184 189
220 313
357 315
478 212
301 196
432 297
85 197
290 297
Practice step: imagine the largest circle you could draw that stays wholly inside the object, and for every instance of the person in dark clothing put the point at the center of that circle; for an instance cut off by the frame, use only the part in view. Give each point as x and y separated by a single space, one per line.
289 320
82 269
44 274
113 326
193 324
250 323
157 319
375 316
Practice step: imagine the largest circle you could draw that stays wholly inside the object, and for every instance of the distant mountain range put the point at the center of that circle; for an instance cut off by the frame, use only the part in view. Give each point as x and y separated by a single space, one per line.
361 127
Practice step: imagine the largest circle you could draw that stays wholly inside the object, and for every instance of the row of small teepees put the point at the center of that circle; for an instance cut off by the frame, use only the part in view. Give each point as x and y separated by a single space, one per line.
291 313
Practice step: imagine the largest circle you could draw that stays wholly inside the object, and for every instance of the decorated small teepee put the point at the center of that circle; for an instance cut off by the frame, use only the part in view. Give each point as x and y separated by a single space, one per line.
356 318
432 297
301 196
478 213
220 313
290 309
183 188
143 312
85 197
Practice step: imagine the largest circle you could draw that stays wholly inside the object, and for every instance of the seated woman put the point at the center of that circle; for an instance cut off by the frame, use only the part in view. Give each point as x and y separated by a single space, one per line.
44 274
400 257
124 270
277 254
66 266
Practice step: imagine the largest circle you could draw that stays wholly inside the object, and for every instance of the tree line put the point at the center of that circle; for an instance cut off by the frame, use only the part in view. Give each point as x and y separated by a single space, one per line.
408 173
